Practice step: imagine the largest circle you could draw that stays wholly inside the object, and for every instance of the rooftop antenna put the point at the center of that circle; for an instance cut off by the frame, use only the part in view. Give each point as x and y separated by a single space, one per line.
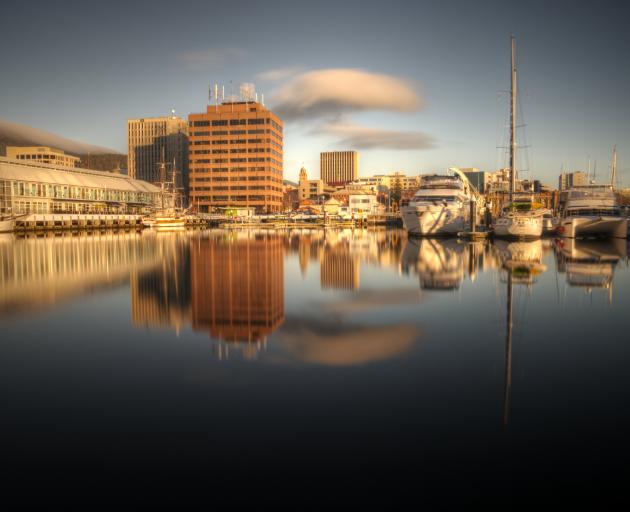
231 96
216 96
209 93
222 93
256 97
262 99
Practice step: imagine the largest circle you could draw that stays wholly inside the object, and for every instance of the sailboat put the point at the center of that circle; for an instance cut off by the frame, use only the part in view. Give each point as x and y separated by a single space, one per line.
521 217
168 216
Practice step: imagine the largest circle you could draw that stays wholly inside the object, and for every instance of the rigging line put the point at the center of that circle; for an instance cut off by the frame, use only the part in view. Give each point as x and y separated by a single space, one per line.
524 132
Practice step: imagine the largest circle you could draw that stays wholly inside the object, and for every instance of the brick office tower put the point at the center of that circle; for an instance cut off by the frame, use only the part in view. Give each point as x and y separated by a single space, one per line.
235 157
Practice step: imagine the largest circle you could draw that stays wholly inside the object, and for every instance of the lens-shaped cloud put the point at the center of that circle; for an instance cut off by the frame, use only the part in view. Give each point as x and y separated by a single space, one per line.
365 137
333 92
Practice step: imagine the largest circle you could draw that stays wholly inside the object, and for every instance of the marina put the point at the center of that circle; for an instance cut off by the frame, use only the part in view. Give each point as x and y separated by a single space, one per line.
314 254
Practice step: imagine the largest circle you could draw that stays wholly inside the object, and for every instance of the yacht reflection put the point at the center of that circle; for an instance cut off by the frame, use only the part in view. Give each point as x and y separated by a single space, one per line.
522 259
439 263
590 263
522 263
238 288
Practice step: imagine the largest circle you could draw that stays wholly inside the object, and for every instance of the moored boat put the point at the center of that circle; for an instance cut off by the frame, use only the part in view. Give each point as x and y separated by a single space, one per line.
441 206
521 218
591 211
7 222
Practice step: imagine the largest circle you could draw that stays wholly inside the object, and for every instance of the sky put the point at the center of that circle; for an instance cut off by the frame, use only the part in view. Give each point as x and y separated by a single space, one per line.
414 86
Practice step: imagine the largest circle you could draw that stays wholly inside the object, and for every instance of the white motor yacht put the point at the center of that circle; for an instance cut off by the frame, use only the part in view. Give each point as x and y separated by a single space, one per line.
591 211
441 206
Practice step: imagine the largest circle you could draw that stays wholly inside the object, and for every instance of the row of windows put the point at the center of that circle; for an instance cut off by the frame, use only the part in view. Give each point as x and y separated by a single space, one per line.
233 169
46 157
41 207
214 170
238 187
234 151
218 133
213 179
235 122
22 189
220 142
235 160
242 198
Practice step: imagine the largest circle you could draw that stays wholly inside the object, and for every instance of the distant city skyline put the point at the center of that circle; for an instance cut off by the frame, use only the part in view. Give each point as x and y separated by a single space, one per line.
415 87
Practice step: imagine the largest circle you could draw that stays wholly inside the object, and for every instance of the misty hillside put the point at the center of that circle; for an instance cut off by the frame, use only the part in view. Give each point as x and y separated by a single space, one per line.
13 134
94 157
103 162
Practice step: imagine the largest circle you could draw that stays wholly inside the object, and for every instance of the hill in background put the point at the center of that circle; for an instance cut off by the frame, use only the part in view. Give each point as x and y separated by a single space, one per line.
95 157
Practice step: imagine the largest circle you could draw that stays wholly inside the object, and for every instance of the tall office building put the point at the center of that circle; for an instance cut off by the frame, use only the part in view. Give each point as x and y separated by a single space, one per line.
339 167
156 140
572 179
236 157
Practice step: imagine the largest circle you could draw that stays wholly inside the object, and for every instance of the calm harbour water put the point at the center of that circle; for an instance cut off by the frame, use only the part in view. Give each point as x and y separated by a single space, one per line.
457 369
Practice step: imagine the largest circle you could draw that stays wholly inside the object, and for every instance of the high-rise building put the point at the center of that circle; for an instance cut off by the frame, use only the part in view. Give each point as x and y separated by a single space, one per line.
572 179
236 157
339 167
154 141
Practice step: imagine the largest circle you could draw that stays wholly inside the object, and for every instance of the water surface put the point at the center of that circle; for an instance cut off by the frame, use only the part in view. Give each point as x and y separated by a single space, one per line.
458 369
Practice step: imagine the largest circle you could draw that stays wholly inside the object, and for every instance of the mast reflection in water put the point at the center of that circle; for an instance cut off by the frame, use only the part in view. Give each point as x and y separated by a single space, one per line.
350 351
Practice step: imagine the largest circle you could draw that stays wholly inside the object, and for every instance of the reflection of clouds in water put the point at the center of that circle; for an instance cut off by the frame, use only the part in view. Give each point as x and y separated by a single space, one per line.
367 300
336 344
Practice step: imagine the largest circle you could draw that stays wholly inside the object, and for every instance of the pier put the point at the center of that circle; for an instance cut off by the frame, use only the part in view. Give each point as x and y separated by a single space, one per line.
60 221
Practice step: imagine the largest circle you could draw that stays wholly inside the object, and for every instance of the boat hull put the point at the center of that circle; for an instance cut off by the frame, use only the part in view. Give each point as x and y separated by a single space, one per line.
610 227
518 227
7 226
419 221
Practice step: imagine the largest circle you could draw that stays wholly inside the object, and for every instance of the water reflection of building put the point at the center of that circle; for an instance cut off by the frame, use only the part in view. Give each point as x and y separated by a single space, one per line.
160 297
339 269
40 271
238 286
590 263
340 253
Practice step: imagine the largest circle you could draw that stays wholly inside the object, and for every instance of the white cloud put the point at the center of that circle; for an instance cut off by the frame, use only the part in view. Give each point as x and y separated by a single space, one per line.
356 136
333 92
210 58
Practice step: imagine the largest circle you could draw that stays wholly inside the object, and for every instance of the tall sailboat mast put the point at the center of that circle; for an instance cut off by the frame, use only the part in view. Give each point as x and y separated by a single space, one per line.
613 169
513 121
